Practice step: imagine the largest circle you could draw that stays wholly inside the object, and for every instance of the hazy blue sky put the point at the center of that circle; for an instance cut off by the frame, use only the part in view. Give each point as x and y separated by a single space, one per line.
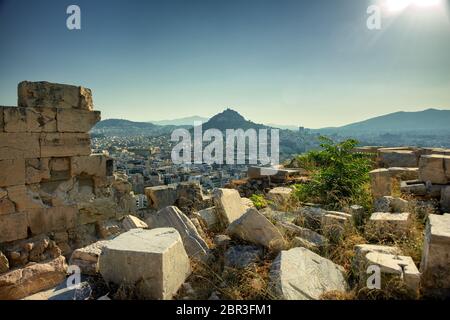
312 63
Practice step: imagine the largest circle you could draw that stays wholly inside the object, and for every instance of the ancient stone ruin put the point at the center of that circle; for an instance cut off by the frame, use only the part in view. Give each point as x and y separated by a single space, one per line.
55 196
61 205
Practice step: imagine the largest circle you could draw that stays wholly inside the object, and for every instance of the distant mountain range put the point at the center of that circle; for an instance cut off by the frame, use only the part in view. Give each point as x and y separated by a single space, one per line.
430 127
187 121
430 120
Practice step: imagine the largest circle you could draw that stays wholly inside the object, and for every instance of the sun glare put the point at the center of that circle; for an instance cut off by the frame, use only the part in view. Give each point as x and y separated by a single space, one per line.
395 6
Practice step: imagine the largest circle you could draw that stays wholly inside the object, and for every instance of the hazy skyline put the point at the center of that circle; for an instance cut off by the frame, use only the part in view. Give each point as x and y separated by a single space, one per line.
287 62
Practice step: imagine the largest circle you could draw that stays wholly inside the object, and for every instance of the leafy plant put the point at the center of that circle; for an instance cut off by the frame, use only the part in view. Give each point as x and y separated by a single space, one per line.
339 176
259 201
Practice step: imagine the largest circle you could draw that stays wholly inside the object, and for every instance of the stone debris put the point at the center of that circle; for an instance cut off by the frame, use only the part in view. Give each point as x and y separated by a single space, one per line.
4 263
241 257
302 235
131 222
222 240
386 224
209 217
152 262
381 183
87 258
433 168
398 158
390 204
401 267
404 174
334 223
247 203
300 274
55 196
280 195
22 282
228 205
195 245
255 228
435 265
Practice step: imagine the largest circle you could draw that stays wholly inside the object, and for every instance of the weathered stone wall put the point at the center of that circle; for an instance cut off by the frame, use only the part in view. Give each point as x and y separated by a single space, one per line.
54 194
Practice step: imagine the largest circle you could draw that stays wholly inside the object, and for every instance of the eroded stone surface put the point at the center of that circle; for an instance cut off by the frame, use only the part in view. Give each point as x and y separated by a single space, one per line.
300 274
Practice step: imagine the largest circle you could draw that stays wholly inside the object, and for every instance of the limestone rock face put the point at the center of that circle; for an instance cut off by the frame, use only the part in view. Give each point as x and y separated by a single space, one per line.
229 205
431 168
45 94
12 172
435 265
300 274
256 228
72 120
19 146
152 262
172 217
4 263
13 227
35 277
65 144
87 258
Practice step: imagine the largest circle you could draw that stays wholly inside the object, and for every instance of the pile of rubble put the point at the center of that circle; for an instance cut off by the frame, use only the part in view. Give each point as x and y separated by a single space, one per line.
55 196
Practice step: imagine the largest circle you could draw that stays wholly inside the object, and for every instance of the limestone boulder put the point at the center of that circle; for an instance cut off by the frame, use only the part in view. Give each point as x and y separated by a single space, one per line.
4 263
404 173
388 225
209 217
160 197
86 258
172 217
313 238
401 267
229 205
242 256
280 195
247 203
398 158
390 204
256 228
445 199
300 274
35 277
431 168
152 262
435 265
381 183
132 222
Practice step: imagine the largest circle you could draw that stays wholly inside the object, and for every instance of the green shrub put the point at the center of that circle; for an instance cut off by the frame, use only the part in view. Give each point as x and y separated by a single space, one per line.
339 177
259 201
